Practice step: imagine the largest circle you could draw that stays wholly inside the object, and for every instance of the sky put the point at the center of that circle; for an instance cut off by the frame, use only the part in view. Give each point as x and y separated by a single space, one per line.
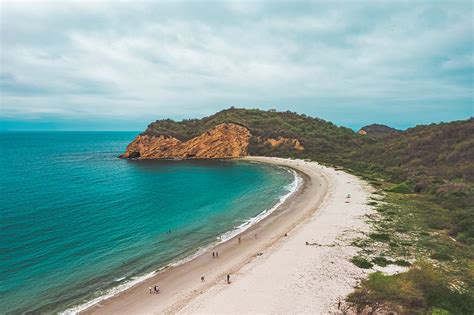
120 65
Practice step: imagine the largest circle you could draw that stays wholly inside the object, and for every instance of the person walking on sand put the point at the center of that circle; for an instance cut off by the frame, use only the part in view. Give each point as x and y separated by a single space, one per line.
228 279
217 254
202 278
240 239
150 290
213 255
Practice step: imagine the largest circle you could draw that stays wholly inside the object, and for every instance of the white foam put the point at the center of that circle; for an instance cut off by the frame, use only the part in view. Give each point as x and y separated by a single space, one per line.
292 188
110 293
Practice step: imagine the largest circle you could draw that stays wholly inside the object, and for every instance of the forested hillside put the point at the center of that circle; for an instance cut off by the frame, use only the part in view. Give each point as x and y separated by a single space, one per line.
377 130
322 140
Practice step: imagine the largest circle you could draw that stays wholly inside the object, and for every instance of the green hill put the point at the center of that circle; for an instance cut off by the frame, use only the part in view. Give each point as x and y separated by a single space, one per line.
437 151
322 140
377 130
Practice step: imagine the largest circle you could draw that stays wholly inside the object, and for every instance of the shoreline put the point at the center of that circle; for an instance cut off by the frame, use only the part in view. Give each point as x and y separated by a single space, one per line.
310 271
179 283
224 237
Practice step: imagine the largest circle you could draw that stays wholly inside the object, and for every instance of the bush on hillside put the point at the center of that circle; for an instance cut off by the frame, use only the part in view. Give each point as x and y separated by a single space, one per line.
421 290
402 188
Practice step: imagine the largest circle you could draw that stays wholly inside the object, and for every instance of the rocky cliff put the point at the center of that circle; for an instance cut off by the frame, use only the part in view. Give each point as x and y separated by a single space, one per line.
294 144
225 140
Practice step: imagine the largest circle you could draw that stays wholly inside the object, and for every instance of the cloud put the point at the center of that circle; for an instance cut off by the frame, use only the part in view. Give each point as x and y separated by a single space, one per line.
147 59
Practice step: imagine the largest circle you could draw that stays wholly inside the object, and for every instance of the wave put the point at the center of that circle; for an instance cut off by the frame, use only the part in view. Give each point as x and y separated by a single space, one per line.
291 189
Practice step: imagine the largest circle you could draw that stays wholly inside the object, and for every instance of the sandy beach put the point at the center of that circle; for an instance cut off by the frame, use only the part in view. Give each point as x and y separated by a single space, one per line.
270 272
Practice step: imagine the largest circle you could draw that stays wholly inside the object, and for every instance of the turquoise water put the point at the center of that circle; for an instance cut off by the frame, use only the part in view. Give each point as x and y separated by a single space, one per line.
76 221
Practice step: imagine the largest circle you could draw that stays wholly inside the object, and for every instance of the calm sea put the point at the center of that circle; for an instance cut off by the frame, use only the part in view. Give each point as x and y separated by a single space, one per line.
77 223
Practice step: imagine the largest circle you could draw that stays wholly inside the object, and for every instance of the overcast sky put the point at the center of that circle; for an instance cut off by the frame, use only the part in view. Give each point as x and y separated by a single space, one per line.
118 66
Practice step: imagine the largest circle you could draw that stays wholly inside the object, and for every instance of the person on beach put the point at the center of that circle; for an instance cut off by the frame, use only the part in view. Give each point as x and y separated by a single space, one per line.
217 254
240 239
150 290
213 255
228 279
202 278
157 289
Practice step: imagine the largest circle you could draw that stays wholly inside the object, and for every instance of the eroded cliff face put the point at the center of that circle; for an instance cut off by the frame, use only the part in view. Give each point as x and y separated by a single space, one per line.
223 141
293 143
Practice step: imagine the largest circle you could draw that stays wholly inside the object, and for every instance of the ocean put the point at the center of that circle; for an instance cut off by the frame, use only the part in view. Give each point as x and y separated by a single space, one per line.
78 224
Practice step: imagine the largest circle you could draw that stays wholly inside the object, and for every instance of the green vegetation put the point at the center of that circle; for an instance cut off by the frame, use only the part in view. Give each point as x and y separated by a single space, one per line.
402 263
425 200
402 188
383 237
414 227
362 262
381 261
376 130
322 140
421 290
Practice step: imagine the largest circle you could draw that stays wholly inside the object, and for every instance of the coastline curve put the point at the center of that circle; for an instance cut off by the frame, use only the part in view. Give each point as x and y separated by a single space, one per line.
179 281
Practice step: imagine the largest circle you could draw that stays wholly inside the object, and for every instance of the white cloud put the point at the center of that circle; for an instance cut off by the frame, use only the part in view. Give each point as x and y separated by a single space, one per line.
134 60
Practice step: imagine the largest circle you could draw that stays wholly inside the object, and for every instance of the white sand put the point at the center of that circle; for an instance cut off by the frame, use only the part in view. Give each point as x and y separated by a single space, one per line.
291 277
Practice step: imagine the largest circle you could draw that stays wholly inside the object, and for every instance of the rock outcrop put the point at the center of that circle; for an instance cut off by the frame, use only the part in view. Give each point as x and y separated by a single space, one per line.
293 143
225 140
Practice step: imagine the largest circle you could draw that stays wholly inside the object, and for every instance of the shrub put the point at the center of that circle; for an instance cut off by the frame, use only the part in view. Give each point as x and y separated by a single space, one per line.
418 291
439 311
362 262
382 237
381 261
401 262
402 188
441 256
386 292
